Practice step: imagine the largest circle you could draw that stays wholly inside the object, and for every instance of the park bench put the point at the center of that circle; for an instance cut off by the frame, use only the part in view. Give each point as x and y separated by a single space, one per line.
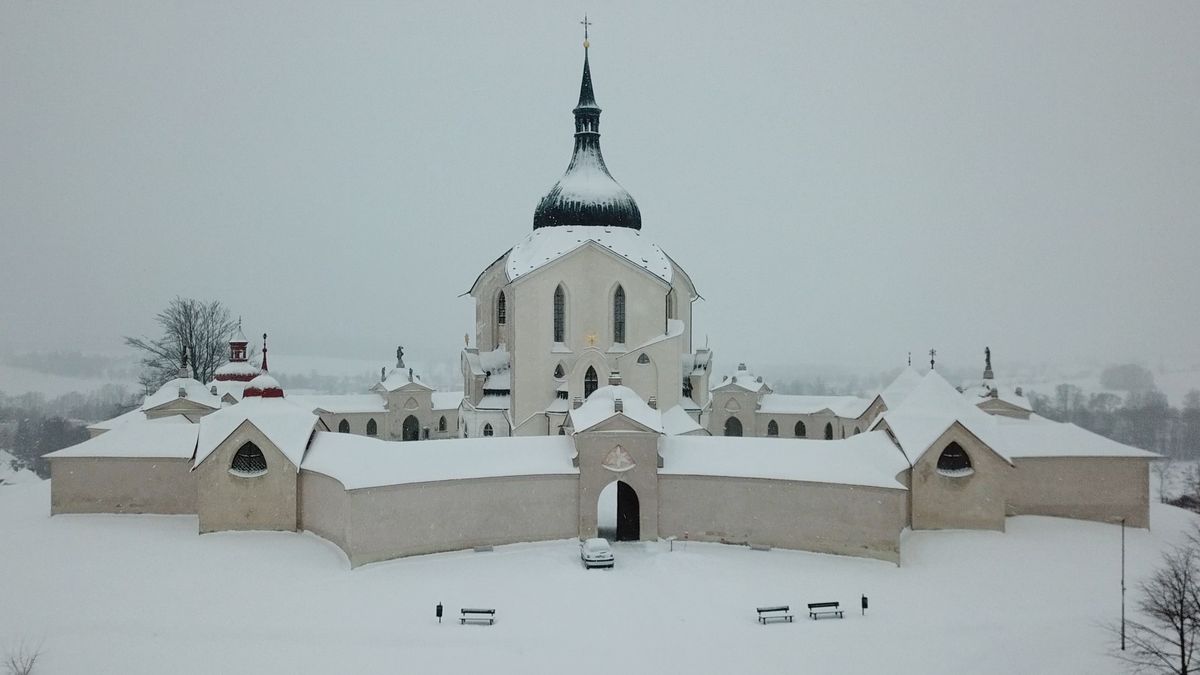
779 613
817 610
470 615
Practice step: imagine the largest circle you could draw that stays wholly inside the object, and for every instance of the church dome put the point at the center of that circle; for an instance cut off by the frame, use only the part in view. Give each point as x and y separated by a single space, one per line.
587 194
265 386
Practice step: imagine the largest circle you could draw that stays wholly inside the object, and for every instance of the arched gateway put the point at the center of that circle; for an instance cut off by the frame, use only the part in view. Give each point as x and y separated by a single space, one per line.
618 513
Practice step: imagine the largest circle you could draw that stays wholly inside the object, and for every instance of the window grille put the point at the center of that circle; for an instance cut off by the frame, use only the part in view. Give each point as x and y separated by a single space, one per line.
249 461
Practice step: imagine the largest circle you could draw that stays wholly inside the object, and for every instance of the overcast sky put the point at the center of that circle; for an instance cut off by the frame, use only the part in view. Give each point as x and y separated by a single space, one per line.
844 182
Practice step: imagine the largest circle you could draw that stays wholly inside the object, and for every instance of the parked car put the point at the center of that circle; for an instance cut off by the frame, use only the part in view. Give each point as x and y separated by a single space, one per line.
596 553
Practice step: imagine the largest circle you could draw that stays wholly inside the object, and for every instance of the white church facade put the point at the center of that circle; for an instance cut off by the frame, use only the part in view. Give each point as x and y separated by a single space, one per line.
584 376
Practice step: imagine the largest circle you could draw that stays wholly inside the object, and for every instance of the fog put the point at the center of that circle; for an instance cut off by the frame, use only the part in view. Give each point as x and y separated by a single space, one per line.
844 182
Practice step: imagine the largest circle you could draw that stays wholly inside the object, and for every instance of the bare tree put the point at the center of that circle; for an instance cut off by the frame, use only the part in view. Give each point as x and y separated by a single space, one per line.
202 327
21 659
1170 604
1163 470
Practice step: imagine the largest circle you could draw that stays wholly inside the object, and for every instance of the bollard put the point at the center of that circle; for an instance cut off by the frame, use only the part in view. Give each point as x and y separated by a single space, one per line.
439 612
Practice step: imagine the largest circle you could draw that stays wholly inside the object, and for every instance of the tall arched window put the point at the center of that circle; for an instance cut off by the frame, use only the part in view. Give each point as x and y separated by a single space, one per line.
487 430
560 315
501 309
772 428
619 316
344 427
801 432
733 427
372 428
828 431
590 382
442 423
954 461
248 461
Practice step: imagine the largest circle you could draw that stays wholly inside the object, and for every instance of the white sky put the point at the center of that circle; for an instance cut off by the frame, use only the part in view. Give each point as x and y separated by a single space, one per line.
844 181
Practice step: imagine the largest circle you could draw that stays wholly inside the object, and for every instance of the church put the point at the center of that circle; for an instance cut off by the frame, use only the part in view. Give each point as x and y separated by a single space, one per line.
584 381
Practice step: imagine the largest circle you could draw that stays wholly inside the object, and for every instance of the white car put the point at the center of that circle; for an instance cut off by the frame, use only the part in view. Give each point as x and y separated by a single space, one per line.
596 553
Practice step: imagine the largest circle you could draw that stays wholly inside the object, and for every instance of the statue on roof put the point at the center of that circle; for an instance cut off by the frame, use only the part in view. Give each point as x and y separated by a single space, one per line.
400 356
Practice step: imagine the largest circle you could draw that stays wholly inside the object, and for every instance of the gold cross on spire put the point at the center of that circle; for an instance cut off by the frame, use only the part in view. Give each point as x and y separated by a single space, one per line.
585 24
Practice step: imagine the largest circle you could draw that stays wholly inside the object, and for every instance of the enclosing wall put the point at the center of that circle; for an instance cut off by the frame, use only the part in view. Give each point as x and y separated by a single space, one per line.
402 520
1089 488
121 485
821 517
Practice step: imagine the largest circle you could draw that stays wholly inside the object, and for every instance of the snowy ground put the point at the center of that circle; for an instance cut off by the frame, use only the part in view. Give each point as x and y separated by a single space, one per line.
146 594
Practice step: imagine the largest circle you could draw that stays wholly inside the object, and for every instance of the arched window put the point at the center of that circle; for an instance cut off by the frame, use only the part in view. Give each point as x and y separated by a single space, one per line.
857 431
562 431
501 309
442 423
487 430
560 315
590 382
559 373
733 427
248 461
643 359
801 432
619 316
954 461
772 428
828 431
344 427
372 428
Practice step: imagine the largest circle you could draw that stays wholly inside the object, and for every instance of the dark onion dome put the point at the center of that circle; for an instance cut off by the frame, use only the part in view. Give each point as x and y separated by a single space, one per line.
587 194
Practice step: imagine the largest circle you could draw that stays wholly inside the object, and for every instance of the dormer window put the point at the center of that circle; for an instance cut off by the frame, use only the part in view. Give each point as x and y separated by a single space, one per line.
248 462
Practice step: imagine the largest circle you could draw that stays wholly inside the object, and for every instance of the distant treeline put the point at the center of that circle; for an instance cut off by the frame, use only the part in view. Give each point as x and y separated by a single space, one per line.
1143 419
76 364
32 425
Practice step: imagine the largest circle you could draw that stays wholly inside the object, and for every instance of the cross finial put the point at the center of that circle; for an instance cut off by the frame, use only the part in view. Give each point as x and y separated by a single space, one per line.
910 358
585 23
932 354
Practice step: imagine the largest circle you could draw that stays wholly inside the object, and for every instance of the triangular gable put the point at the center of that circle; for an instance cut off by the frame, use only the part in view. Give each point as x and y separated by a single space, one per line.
181 405
618 422
586 245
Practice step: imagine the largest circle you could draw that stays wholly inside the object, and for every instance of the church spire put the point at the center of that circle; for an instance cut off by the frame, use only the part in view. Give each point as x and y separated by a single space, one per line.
587 194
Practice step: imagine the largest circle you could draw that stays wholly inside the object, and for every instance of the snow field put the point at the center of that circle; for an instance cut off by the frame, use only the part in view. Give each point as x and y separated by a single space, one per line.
146 594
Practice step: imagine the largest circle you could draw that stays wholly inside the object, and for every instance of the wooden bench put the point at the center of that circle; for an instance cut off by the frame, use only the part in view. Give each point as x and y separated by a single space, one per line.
470 615
779 613
817 610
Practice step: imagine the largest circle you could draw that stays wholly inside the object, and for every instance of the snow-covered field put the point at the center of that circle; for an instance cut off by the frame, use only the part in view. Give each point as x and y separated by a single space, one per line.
146 594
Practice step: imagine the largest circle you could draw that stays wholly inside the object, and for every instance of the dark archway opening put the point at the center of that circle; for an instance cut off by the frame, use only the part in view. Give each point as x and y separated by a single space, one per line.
411 430
733 427
619 513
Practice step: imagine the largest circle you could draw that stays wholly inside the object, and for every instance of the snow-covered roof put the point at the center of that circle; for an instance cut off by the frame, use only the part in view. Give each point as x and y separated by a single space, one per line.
696 363
677 422
547 244
601 405
842 406
932 407
170 437
285 423
193 390
895 393
398 378
1040 437
674 329
362 461
744 379
495 402
341 404
866 459
447 400
225 388
135 415
500 380
982 393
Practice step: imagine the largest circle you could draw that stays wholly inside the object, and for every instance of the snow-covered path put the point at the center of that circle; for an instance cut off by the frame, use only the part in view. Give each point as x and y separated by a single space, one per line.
146 594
